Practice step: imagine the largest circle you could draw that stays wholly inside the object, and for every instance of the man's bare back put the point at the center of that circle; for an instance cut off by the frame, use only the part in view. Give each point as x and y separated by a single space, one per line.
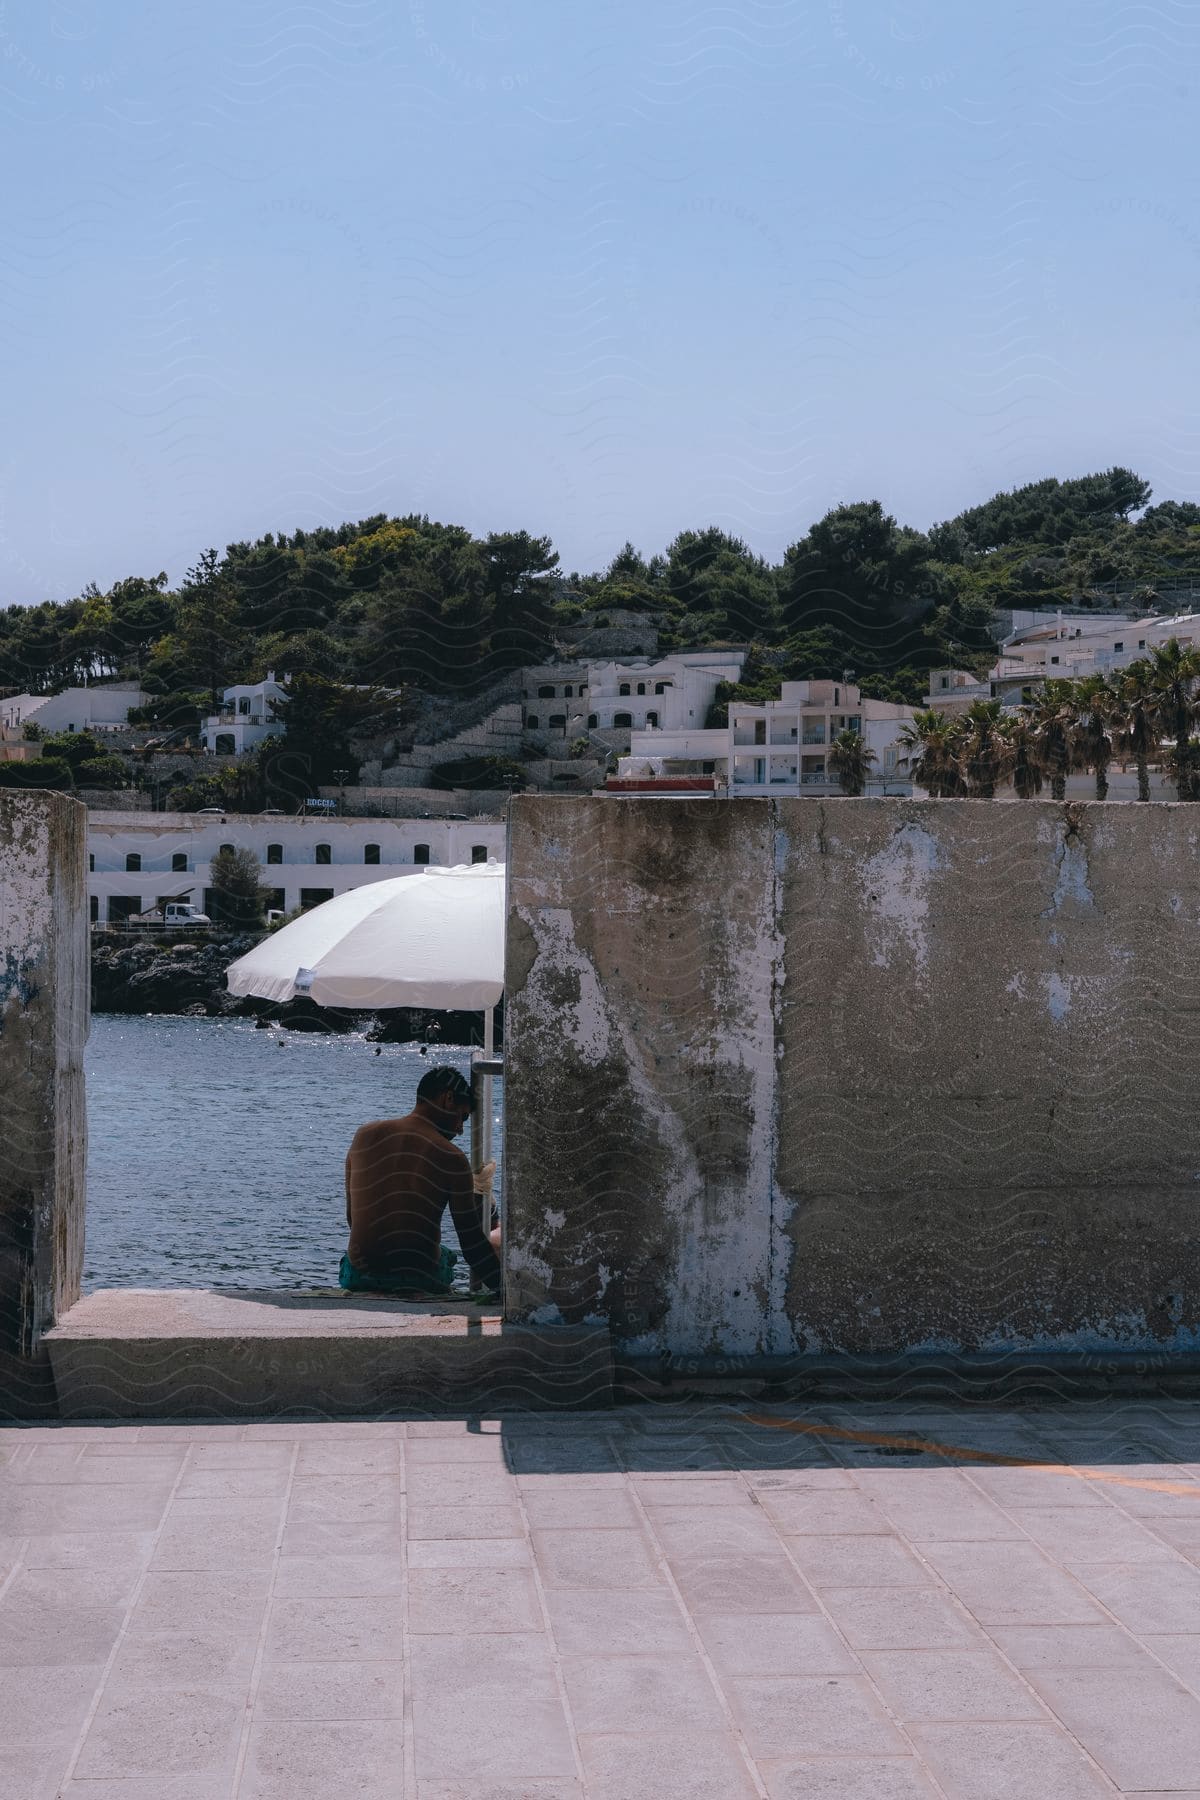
401 1174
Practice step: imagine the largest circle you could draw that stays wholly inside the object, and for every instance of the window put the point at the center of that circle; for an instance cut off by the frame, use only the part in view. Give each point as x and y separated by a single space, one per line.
275 899
545 693
1054 659
837 697
593 721
622 720
314 897
479 853
652 720
91 864
660 687
94 909
371 854
420 853
760 731
274 853
531 723
322 854
568 691
244 705
641 687
707 768
624 688
1119 646
1141 643
225 744
557 721
227 849
179 863
945 681
133 863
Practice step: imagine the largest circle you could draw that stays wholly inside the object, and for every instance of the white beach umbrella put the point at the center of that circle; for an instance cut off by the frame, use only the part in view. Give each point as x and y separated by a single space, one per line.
435 939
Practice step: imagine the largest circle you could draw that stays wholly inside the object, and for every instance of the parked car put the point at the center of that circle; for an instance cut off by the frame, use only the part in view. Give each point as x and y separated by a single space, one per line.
175 915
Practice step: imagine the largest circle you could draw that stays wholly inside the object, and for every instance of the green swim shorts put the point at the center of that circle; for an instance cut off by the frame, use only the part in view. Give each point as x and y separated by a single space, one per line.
424 1282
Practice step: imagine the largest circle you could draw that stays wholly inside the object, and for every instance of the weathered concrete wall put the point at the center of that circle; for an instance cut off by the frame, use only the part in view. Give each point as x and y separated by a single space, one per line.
855 1076
43 1028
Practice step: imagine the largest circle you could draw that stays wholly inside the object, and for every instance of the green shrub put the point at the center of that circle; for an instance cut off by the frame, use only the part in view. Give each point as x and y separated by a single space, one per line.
46 772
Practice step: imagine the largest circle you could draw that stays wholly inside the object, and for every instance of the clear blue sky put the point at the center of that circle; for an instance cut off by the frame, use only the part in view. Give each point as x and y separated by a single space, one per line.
600 271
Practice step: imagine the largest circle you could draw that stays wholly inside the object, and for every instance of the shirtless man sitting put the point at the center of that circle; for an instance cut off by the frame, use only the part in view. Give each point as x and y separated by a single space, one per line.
401 1174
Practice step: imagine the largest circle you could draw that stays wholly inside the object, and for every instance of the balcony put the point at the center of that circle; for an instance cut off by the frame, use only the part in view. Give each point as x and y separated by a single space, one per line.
813 737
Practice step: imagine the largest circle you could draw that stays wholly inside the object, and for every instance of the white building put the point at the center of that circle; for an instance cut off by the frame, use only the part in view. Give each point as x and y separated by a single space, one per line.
104 707
778 746
246 718
1060 647
138 860
670 693
782 746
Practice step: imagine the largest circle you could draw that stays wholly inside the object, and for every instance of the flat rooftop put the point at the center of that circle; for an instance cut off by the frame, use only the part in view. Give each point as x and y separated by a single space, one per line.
718 1601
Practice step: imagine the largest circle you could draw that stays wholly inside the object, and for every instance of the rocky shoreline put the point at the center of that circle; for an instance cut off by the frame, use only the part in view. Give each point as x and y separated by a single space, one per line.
185 975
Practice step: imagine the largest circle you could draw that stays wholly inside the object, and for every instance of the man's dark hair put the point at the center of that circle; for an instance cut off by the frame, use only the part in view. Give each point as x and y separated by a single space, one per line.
437 1081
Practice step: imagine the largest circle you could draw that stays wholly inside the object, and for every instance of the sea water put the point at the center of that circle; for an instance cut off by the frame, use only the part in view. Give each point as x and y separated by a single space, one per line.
216 1151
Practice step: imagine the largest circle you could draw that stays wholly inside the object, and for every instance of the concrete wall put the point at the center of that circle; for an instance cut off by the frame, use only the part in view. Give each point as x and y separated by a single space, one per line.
855 1076
43 1028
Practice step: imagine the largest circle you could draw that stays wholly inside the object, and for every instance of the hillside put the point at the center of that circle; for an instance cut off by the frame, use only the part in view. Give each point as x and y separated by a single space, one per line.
371 621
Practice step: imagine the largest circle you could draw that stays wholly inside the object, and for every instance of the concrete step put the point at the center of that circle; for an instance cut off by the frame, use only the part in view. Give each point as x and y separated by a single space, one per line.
252 1353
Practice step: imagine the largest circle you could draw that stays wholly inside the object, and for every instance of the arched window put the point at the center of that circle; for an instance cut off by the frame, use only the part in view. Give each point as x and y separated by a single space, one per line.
545 693
531 722
593 721
557 721
641 687
660 687
568 691
622 719
420 853
652 720
227 849
624 688
274 853
371 853
322 854
179 863
133 863
478 853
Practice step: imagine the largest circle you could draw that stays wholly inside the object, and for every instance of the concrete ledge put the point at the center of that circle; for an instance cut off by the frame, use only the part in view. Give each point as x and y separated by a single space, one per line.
241 1353
1010 1377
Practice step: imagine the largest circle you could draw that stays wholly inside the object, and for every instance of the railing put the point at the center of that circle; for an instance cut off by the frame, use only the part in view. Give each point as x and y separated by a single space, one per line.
813 737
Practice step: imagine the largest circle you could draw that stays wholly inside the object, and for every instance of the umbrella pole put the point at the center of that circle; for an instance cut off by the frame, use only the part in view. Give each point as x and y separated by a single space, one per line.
485 1066
489 1030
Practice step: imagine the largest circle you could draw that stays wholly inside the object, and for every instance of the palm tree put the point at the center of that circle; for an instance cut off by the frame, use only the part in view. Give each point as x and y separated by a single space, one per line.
1055 720
985 751
1092 744
1024 755
935 738
1173 674
850 759
1136 724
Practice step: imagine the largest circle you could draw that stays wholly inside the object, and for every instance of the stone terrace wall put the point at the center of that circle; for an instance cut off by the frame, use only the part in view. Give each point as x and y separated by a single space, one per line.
43 1028
855 1076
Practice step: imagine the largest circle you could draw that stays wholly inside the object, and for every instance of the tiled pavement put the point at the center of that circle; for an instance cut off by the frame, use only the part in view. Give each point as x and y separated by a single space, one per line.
648 1604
